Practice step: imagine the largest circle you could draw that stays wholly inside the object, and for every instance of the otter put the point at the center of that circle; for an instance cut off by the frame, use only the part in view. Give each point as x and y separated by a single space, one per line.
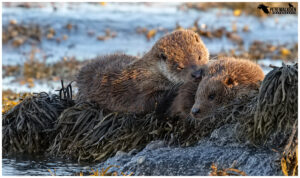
224 80
213 85
95 69
185 94
126 84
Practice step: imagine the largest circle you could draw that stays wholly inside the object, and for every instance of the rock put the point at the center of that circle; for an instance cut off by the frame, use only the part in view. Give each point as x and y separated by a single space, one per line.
132 152
220 148
155 145
121 154
141 159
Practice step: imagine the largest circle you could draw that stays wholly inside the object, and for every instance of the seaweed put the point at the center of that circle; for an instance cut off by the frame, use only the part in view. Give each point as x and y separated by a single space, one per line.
28 127
289 160
225 172
87 133
271 120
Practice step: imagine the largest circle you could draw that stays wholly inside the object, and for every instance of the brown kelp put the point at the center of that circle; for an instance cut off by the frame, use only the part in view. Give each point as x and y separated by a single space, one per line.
28 127
86 133
277 107
272 118
19 33
225 172
289 160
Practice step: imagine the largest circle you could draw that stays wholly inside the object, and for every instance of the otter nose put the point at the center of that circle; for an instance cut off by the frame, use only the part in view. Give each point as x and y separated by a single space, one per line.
198 74
195 110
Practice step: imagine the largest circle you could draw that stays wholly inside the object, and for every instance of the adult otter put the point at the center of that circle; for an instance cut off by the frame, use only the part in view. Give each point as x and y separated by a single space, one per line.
137 85
215 85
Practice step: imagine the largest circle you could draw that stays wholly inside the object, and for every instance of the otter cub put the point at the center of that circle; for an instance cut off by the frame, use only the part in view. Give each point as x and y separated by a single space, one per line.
137 85
224 80
214 85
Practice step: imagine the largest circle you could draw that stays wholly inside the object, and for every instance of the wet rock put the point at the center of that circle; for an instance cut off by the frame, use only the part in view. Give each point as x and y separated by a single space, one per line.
133 152
121 154
155 145
220 148
141 159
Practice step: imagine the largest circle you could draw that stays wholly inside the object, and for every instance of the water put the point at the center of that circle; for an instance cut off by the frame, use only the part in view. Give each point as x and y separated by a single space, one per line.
122 19
125 18
40 166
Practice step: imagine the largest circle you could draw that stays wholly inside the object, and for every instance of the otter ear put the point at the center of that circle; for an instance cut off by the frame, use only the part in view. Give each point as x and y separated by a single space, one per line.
229 81
198 74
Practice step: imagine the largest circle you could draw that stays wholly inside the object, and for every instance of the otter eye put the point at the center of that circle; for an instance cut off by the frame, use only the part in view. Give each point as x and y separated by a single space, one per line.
197 39
199 58
211 96
163 56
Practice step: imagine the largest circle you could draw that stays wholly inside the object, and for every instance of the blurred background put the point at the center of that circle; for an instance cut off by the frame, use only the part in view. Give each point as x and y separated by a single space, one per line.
46 42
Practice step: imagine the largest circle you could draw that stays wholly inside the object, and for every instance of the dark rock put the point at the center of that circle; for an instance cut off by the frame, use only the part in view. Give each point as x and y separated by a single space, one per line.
221 148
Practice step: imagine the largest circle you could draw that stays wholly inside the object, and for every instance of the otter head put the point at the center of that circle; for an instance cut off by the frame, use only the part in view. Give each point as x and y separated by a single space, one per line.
212 93
178 52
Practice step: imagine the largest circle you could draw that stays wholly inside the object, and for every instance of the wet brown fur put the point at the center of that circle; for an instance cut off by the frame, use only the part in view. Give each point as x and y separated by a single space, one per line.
127 84
185 96
226 78
184 101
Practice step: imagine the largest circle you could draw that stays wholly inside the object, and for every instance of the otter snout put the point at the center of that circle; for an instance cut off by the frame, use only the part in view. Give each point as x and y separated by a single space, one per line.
195 110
